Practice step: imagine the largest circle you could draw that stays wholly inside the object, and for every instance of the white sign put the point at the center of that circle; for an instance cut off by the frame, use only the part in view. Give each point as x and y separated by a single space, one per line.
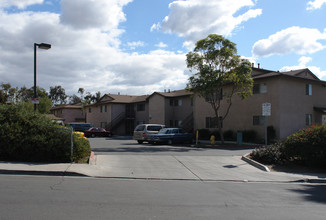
35 100
267 109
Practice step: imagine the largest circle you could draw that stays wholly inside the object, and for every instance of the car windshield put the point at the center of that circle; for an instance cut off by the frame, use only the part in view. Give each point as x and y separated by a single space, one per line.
154 128
164 131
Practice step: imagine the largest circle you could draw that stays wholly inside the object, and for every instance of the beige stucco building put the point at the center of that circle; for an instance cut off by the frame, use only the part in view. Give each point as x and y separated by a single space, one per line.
122 113
69 113
297 98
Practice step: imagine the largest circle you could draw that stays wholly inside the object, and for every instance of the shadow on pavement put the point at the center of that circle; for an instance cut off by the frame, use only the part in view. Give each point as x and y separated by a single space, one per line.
314 193
148 149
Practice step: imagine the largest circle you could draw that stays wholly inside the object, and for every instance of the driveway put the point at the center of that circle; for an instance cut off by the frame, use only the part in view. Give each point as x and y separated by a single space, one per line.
124 158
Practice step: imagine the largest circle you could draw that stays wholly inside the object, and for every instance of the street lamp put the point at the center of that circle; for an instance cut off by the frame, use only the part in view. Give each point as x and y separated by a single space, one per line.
41 46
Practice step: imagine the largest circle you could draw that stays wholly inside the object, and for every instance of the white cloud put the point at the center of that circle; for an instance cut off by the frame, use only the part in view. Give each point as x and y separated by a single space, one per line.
87 56
291 40
315 4
104 14
161 45
195 19
21 4
303 61
134 45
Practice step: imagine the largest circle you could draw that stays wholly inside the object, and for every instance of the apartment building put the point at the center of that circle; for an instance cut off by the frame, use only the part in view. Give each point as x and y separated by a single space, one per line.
118 113
69 113
297 98
122 113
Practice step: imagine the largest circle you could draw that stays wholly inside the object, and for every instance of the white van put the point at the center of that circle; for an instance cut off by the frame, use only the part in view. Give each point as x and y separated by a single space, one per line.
142 132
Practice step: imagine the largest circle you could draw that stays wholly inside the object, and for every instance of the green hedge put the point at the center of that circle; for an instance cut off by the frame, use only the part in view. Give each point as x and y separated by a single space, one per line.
307 147
25 136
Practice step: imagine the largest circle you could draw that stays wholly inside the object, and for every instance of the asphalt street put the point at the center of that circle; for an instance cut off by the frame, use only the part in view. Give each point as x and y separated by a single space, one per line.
48 197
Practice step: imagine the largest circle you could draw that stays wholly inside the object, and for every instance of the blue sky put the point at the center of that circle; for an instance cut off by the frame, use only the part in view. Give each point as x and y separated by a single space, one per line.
138 46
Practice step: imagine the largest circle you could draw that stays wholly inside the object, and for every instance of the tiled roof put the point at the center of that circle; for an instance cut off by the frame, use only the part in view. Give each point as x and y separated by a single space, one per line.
127 98
69 106
175 93
292 73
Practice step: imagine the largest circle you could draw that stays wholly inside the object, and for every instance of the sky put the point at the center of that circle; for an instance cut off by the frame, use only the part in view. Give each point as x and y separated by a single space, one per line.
136 47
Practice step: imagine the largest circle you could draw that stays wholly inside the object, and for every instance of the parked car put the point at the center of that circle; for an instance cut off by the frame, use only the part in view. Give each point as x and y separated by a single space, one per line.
97 132
172 135
143 131
80 126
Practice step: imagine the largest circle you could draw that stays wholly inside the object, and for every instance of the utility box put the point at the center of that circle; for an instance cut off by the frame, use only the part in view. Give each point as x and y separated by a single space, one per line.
239 137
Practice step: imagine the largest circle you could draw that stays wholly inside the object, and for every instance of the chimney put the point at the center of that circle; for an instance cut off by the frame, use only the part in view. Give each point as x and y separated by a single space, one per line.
118 93
169 90
252 65
258 65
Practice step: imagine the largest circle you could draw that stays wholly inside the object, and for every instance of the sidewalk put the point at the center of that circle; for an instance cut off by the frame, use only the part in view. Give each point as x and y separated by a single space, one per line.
166 167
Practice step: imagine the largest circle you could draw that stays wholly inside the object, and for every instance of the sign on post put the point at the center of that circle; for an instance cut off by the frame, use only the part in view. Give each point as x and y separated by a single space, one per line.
267 109
35 100
266 112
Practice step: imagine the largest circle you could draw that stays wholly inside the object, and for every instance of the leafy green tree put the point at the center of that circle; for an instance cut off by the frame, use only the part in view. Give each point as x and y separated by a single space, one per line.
58 95
218 66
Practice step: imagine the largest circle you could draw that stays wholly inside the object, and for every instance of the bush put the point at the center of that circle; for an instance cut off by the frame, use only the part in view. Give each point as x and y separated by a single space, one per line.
307 146
25 136
229 135
273 154
204 134
271 134
249 136
82 148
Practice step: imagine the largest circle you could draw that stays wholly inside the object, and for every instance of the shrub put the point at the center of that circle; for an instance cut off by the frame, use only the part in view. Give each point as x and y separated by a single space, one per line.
204 134
249 136
25 136
307 146
82 148
271 134
229 135
273 154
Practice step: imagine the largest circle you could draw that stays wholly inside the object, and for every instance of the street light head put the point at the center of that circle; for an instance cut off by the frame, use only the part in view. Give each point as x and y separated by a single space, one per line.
44 46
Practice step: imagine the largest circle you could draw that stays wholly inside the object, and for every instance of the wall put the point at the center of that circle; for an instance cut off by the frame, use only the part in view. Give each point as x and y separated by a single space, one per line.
156 109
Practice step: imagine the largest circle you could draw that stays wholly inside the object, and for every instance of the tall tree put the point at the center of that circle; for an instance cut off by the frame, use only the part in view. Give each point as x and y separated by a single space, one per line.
218 66
81 92
58 95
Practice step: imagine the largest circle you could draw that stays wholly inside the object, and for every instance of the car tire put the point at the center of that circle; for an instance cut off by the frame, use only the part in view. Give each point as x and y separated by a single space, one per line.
170 142
93 135
140 142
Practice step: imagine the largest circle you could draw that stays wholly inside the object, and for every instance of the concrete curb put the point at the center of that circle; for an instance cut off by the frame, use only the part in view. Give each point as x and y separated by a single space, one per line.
41 173
92 159
255 163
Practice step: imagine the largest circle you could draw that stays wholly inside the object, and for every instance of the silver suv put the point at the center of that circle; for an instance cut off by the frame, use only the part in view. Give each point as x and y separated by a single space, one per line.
143 131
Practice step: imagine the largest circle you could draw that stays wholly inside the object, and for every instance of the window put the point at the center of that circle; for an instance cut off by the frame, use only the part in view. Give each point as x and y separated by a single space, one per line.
103 108
259 88
216 96
175 102
211 122
103 124
90 110
177 123
258 120
141 107
308 89
308 119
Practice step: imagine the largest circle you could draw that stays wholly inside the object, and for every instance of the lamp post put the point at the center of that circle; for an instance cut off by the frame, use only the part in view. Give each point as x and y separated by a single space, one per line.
41 46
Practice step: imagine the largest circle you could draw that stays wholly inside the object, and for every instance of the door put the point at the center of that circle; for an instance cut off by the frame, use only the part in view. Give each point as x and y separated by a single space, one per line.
323 121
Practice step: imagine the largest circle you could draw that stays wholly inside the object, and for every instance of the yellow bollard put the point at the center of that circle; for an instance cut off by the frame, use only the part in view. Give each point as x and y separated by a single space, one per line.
212 140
